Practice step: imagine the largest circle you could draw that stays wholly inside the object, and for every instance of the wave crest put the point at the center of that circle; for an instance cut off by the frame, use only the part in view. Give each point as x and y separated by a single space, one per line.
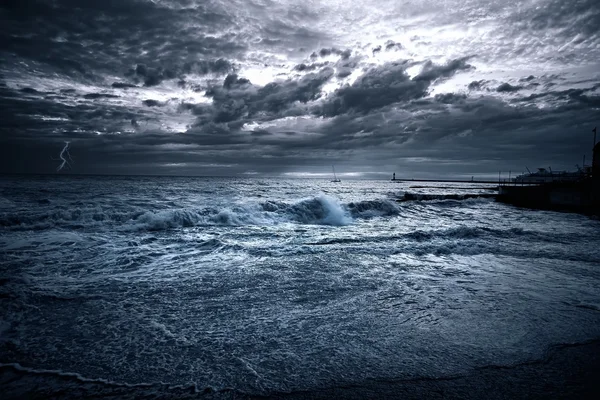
319 210
373 208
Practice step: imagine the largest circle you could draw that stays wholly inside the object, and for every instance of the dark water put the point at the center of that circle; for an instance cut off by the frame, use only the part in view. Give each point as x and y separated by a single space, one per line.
269 286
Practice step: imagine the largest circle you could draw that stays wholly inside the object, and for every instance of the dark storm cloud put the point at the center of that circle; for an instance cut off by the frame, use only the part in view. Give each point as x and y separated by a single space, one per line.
571 18
450 127
123 85
485 130
80 44
324 52
144 43
527 79
391 45
309 67
85 38
152 103
63 114
508 88
134 84
155 76
388 84
432 72
93 96
476 85
239 100
584 97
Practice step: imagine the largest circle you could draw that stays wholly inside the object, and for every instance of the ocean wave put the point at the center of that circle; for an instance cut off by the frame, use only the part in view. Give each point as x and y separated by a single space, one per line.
374 208
45 239
319 210
458 241
467 232
73 218
410 196
6 203
418 235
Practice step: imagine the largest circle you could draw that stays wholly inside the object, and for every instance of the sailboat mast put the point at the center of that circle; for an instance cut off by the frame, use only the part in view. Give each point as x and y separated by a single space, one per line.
333 169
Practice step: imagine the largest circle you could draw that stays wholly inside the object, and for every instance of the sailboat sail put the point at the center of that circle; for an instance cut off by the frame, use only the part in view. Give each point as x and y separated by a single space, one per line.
335 179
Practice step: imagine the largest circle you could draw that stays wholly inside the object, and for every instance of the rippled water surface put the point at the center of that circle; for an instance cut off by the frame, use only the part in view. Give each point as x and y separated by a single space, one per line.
282 285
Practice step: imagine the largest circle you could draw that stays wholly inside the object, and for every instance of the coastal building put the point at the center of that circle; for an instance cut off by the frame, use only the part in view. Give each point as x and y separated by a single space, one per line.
575 191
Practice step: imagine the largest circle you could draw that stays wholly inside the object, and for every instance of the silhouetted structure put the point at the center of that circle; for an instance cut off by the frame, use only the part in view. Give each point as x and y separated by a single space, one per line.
578 192
596 163
596 176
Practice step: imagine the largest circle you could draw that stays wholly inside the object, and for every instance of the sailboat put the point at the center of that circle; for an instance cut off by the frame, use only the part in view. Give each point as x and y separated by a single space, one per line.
335 179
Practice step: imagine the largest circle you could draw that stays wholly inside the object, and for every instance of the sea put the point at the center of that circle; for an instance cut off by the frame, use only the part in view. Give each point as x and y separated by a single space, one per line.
252 287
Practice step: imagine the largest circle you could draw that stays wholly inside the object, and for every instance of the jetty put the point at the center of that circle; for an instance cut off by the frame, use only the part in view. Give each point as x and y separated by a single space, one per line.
443 180
578 192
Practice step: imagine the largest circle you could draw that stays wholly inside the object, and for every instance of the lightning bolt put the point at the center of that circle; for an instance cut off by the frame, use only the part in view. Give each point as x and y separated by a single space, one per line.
65 157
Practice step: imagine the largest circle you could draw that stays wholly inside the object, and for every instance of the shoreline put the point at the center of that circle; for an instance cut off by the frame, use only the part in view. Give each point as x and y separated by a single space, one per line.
568 371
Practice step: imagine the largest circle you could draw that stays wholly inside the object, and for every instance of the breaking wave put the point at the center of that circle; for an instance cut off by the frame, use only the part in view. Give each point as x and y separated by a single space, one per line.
373 208
318 210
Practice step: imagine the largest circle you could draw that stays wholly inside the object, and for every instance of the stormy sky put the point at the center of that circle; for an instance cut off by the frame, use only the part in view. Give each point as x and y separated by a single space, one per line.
422 88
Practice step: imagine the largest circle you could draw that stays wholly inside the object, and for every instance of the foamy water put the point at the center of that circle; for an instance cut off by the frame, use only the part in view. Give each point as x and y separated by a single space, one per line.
266 286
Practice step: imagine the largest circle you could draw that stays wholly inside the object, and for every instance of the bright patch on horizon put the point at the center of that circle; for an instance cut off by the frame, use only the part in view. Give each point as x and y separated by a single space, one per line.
304 174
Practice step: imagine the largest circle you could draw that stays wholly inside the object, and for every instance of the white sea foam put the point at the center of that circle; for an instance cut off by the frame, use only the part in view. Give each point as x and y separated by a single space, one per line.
319 210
